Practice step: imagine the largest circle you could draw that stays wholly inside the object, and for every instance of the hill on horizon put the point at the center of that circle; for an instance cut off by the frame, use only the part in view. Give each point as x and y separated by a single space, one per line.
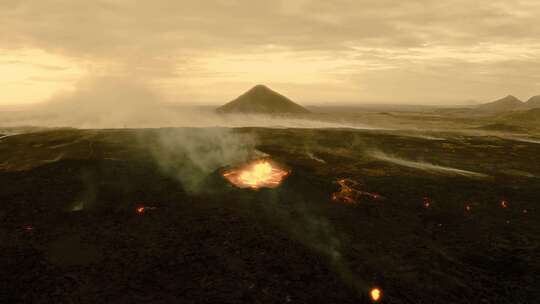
508 103
532 103
262 100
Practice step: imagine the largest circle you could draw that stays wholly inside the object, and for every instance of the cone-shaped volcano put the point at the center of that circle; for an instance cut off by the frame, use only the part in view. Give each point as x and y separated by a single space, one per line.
260 99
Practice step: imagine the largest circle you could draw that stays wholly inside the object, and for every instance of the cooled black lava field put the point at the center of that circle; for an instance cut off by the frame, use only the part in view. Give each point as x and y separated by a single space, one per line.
439 218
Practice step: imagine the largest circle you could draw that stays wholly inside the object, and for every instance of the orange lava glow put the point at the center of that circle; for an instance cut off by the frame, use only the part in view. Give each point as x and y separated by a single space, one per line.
375 294
426 204
504 204
140 210
349 192
346 194
257 174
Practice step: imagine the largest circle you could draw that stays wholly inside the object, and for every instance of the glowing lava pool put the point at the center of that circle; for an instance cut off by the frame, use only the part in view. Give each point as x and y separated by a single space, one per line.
257 174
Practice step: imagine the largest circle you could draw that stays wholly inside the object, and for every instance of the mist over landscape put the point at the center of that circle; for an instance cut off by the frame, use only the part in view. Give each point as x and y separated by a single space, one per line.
115 64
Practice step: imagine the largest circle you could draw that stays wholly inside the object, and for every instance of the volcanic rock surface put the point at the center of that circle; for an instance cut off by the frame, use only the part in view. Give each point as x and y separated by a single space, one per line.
290 244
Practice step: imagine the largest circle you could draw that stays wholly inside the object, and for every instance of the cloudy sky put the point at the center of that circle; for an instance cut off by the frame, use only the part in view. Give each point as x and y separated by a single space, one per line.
314 51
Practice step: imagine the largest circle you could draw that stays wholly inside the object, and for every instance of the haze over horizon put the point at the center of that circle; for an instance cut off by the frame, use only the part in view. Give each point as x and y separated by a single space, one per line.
315 52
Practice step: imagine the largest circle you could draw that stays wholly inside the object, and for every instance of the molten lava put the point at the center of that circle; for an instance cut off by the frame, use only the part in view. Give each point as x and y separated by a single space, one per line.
143 209
348 193
426 202
375 294
258 174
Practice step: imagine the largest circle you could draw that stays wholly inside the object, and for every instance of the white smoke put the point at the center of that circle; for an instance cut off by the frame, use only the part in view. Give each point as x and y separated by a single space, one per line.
315 158
424 166
191 154
120 102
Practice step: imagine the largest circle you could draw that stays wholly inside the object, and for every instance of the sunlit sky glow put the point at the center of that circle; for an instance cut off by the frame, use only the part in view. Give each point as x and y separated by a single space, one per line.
314 51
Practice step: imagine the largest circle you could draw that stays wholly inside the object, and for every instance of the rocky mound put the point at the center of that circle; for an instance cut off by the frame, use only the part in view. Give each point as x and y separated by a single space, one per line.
533 102
508 103
262 100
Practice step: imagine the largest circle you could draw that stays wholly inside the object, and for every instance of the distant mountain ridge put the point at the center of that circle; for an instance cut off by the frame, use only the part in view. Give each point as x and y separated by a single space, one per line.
533 102
262 100
508 103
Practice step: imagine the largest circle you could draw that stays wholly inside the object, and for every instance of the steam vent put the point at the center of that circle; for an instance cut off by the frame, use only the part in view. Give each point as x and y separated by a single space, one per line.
262 100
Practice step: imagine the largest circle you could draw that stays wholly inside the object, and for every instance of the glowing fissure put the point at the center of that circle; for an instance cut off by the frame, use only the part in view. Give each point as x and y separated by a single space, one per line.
257 174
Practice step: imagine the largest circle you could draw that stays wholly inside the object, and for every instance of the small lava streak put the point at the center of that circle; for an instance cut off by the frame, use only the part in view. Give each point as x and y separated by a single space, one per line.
257 174
376 294
426 203
28 227
348 193
468 208
504 204
143 209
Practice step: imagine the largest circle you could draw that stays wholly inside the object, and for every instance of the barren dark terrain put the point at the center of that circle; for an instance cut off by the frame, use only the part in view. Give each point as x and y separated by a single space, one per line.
455 219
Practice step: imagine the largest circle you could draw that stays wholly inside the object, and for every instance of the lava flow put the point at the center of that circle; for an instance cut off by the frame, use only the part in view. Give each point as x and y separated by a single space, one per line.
257 174
350 194
375 294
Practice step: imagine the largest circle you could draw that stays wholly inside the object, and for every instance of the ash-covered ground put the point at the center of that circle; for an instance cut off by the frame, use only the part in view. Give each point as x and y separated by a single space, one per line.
453 217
